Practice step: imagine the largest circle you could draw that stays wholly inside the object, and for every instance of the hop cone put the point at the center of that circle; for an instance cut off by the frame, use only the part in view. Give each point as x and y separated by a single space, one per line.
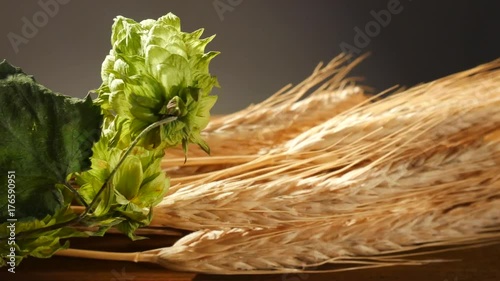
155 71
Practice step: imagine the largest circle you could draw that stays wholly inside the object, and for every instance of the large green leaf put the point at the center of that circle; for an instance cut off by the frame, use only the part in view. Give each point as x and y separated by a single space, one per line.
44 137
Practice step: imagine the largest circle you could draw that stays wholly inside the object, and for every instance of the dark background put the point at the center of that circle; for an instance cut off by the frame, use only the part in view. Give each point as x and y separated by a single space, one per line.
264 44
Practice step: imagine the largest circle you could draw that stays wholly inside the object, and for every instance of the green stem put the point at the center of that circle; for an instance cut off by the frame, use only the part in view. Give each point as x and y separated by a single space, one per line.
77 195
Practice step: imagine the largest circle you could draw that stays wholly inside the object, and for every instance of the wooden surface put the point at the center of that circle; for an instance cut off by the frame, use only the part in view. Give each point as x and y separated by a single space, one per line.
476 264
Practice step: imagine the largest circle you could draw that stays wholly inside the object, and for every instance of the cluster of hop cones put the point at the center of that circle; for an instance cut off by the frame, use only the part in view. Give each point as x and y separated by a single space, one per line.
324 174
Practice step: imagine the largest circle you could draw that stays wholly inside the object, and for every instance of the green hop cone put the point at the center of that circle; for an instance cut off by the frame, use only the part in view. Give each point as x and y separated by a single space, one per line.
139 179
155 71
137 186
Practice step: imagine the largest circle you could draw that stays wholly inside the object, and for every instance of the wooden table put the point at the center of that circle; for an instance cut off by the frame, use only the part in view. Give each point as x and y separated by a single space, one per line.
477 264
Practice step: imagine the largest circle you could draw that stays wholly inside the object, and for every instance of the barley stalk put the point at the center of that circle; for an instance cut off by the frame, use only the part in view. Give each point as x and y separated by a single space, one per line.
445 113
447 217
464 101
291 111
290 198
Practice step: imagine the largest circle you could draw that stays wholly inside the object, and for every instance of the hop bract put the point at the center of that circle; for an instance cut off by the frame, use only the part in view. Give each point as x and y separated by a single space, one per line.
137 186
155 71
